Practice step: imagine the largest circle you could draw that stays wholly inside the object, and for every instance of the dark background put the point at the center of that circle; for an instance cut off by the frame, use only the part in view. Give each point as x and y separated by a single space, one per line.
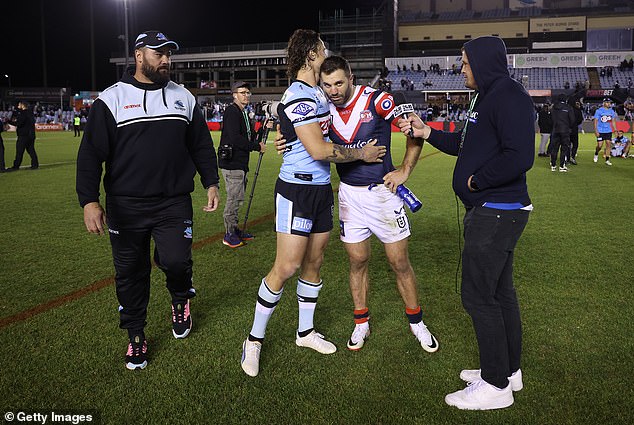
58 33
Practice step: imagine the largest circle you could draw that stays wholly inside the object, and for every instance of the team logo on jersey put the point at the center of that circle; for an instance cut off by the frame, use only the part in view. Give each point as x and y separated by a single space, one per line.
367 91
179 105
303 109
387 104
365 116
187 234
473 117
135 105
401 222
606 118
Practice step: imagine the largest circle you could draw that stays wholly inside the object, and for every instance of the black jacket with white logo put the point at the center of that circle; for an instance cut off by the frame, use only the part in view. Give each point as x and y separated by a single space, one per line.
153 138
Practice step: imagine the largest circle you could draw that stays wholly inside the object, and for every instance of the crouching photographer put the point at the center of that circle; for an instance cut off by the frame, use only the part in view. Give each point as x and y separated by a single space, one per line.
237 140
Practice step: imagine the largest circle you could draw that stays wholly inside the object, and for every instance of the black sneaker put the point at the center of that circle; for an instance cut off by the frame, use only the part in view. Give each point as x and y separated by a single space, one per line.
136 357
244 236
181 319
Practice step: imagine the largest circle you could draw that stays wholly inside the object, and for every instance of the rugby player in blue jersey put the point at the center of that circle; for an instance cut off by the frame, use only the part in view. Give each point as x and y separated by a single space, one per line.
604 124
304 200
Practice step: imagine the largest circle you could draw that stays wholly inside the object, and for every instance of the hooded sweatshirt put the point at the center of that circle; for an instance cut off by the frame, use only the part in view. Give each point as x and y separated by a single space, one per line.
152 137
499 138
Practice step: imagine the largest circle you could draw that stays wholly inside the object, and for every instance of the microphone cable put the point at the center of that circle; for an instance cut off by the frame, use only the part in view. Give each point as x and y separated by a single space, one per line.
459 244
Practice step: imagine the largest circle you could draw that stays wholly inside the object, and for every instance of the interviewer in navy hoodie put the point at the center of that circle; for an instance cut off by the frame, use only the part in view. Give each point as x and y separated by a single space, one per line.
495 150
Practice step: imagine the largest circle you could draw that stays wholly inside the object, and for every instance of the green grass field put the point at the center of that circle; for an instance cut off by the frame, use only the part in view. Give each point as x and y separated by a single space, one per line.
61 352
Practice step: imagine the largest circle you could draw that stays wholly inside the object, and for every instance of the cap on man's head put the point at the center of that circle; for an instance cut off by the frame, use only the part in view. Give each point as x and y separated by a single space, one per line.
607 99
239 84
153 40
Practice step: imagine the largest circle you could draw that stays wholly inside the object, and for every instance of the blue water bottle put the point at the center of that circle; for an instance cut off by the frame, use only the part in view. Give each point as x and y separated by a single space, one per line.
409 198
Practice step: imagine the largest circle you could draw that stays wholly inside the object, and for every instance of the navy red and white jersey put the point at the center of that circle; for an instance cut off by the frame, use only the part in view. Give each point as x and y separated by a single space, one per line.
303 104
368 115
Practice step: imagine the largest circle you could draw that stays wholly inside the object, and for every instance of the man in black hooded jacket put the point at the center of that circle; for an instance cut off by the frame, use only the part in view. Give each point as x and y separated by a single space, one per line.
574 130
495 149
25 128
563 121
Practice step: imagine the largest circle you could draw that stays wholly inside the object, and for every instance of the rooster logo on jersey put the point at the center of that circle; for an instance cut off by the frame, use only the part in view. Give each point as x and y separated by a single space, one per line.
358 120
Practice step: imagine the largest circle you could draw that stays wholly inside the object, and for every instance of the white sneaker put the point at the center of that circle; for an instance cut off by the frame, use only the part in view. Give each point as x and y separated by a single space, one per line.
426 339
553 168
472 375
596 158
608 162
563 169
251 357
315 341
480 395
360 333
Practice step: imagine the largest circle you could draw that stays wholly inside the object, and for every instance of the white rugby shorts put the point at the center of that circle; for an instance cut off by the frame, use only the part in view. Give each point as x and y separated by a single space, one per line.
364 211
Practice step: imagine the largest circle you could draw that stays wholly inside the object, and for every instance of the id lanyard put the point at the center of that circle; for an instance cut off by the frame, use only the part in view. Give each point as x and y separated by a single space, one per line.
466 124
246 120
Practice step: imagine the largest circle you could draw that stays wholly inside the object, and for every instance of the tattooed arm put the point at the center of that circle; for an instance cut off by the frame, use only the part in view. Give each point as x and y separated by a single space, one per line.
313 140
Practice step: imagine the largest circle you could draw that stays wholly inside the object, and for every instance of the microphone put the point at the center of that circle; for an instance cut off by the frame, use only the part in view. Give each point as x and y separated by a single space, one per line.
403 109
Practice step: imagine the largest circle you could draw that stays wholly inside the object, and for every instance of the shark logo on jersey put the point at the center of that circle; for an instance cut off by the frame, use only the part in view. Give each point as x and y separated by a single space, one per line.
188 232
303 109
179 105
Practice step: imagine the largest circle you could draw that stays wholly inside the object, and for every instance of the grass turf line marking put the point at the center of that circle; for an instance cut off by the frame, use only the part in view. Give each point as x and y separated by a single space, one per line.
100 284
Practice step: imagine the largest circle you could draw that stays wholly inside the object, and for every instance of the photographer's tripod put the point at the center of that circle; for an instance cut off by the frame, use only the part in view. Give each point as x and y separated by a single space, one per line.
262 137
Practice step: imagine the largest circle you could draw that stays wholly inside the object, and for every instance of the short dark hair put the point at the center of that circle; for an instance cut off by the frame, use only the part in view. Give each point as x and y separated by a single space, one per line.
334 63
300 44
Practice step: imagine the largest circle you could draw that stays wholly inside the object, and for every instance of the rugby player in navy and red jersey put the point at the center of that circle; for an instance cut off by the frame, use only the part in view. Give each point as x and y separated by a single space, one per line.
303 198
367 204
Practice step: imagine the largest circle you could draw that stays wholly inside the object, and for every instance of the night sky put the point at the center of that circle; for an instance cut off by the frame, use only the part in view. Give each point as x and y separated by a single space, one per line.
192 23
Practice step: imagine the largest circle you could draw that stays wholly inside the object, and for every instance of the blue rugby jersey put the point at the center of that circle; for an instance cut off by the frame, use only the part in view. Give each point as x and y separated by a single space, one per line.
303 104
604 117
368 115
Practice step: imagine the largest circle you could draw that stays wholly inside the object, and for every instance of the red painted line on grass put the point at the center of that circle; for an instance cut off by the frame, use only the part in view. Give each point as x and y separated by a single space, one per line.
100 284
103 283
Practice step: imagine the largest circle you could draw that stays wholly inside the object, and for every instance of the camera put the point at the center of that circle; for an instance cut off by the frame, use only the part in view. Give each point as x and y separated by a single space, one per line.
268 109
225 152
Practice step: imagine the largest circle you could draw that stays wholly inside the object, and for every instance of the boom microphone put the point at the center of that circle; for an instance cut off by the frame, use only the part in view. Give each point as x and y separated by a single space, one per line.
403 109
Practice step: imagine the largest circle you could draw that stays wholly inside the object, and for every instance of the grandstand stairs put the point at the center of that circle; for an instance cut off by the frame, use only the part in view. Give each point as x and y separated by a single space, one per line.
593 78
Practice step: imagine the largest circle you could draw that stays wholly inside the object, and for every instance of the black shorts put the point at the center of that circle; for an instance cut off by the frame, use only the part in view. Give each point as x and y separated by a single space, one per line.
604 137
302 209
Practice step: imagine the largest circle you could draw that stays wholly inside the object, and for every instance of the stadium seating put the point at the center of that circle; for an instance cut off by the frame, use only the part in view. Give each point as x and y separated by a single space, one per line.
621 76
537 78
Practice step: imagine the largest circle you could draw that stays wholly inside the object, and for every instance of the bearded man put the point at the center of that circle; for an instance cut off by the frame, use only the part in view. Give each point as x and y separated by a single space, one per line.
152 137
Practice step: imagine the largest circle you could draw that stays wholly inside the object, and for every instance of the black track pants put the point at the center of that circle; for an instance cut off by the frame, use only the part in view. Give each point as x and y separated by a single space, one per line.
132 222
